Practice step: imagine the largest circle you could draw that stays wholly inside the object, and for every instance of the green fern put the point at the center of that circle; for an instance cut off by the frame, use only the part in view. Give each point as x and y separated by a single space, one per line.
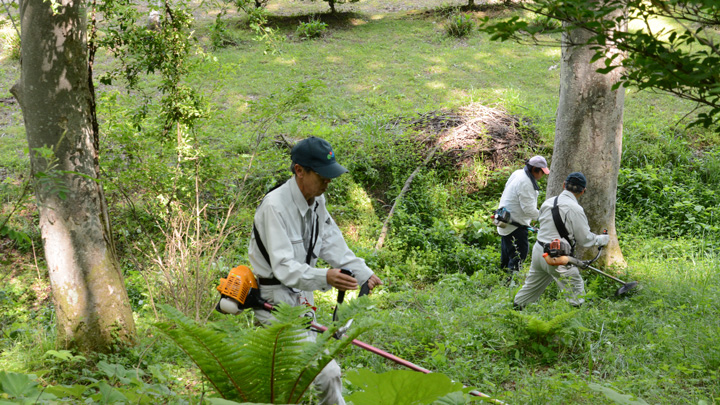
539 328
267 365
543 340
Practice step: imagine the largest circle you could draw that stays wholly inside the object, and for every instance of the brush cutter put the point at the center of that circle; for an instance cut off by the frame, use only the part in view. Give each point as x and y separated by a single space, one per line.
501 217
557 254
239 291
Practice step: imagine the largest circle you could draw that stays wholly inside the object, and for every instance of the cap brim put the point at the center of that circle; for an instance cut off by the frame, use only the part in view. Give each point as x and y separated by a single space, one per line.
330 171
545 170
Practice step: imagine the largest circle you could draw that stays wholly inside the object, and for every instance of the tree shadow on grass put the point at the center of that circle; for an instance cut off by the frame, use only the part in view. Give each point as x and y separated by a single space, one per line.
335 21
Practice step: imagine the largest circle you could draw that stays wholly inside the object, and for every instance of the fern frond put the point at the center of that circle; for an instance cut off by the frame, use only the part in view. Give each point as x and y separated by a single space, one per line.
316 356
273 364
319 354
281 345
215 355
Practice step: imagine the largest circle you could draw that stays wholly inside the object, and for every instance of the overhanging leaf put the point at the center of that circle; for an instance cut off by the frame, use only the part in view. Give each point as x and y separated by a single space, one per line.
399 387
18 385
617 397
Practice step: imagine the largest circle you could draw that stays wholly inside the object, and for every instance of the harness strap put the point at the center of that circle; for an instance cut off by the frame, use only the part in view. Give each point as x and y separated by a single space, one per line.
314 234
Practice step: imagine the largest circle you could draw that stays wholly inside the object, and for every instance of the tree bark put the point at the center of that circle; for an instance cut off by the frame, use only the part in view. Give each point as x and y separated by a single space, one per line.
92 305
588 136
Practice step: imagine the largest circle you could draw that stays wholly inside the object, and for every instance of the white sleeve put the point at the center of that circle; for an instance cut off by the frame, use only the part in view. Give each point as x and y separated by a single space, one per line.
336 252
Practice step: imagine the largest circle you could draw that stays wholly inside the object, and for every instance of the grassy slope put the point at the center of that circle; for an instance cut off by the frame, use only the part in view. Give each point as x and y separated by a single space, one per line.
389 61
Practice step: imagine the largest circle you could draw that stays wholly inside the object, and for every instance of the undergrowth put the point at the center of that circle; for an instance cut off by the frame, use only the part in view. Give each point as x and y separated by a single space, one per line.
444 305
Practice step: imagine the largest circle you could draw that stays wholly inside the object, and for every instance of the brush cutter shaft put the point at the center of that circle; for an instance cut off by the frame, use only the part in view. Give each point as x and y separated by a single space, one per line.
392 357
584 265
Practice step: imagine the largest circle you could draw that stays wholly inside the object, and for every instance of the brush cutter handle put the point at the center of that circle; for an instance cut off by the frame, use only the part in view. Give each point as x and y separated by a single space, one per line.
600 248
364 289
341 293
403 362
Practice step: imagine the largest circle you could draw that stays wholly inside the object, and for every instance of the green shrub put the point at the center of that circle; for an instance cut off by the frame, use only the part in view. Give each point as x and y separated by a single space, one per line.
541 23
668 202
256 16
311 29
220 34
459 25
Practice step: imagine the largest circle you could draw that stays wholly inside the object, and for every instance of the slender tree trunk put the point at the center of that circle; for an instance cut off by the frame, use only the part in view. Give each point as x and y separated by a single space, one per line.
588 135
92 305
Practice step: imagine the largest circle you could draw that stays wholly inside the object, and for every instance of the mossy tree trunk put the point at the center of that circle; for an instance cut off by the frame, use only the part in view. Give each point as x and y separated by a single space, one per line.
54 92
588 135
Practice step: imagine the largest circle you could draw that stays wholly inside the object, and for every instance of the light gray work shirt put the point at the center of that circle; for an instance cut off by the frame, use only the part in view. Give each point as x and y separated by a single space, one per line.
286 224
520 198
574 218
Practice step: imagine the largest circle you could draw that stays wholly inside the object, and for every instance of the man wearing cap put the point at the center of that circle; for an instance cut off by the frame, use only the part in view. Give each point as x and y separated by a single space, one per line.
573 219
292 229
520 199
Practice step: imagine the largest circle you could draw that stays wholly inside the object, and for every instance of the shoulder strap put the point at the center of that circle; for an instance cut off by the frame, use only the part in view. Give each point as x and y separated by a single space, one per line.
559 224
258 240
311 246
261 245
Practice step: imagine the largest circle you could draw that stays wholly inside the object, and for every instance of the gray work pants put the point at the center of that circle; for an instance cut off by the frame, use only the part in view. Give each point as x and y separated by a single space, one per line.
329 381
542 274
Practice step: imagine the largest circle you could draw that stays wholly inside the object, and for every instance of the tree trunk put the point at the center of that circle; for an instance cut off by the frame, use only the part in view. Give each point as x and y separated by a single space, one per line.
92 305
588 136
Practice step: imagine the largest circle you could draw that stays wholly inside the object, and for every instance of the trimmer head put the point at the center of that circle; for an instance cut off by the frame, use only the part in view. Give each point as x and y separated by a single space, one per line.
626 288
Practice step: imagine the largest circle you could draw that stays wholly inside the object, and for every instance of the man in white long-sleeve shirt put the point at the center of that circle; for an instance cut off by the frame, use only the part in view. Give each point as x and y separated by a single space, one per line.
520 199
292 230
575 222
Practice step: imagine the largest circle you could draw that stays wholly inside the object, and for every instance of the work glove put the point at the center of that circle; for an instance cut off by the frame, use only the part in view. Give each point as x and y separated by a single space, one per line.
602 240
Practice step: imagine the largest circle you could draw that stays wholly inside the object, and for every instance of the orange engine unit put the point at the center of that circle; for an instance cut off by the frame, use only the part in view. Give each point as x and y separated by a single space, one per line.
238 283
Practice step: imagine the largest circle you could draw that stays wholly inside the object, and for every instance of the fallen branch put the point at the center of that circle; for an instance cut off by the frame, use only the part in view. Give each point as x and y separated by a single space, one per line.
406 187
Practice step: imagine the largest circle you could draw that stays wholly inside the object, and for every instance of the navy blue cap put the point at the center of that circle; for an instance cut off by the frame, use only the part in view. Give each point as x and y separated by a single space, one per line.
318 155
576 178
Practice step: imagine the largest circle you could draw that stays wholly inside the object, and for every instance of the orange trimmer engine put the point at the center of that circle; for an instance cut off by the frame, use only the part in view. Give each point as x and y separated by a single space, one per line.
238 291
557 252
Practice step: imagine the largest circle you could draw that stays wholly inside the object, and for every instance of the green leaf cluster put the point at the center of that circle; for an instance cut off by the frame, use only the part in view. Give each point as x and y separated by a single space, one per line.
405 387
537 336
273 364
662 45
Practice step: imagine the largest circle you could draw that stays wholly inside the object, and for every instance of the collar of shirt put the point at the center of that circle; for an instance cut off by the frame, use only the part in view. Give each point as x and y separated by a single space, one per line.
532 179
568 194
298 198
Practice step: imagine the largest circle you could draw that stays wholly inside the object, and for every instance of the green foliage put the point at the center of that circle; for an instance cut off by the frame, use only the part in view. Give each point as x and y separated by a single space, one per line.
121 385
274 364
22 388
668 201
20 237
404 386
311 29
220 33
459 25
535 336
677 58
616 397
257 20
143 51
543 24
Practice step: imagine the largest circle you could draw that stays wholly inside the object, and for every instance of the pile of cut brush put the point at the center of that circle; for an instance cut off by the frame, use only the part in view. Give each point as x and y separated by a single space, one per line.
476 130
